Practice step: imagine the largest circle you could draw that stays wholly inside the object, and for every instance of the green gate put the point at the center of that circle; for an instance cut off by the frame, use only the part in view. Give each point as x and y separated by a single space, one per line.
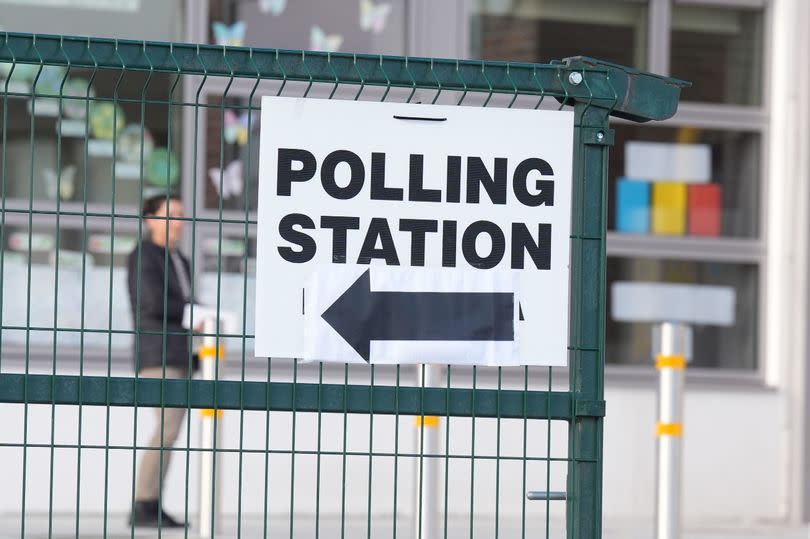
539 441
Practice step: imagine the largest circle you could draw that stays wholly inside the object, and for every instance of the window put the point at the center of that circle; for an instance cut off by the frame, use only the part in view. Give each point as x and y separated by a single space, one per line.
231 148
72 152
376 28
228 139
139 20
539 31
720 196
75 155
712 346
87 268
720 51
684 196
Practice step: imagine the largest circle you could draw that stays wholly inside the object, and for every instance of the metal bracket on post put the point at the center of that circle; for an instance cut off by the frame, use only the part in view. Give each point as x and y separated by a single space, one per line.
586 408
598 135
631 90
543 495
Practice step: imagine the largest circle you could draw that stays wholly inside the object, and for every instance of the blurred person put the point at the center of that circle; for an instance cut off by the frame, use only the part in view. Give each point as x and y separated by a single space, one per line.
148 272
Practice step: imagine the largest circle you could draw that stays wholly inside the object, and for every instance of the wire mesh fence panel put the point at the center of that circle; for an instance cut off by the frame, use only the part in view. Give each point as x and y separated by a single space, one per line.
91 130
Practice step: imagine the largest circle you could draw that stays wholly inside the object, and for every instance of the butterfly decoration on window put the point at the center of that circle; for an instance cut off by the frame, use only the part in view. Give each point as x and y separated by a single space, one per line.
233 35
64 187
320 41
276 7
236 127
374 17
231 177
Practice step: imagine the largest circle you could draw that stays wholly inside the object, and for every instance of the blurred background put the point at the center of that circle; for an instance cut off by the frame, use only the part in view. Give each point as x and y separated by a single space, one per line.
717 195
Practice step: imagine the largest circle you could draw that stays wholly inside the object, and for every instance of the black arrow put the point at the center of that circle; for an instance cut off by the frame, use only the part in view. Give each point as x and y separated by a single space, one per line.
361 316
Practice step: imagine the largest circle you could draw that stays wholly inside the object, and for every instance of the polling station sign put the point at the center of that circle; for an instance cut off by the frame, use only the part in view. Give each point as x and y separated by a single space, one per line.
403 233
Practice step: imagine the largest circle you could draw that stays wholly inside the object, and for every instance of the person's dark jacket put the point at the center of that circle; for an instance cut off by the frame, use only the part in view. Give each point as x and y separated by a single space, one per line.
148 313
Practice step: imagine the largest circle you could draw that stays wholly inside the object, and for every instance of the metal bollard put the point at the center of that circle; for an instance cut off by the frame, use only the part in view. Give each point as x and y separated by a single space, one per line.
428 481
674 345
209 461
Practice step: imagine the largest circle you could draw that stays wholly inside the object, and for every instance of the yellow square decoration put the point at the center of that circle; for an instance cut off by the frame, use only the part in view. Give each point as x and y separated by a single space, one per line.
669 208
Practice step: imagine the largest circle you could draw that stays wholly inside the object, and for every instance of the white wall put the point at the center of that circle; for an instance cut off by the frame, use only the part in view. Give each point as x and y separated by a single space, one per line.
732 455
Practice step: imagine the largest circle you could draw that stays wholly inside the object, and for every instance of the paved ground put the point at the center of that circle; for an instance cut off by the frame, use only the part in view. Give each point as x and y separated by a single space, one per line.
757 533
91 527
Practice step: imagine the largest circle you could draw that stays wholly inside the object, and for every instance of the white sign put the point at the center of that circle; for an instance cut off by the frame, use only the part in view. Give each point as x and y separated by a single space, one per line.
400 233
637 301
663 161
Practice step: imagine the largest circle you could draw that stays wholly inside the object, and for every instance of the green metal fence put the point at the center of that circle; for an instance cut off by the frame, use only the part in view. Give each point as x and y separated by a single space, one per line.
505 431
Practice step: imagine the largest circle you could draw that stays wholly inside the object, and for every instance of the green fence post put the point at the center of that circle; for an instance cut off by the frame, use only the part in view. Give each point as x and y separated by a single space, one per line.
639 97
586 366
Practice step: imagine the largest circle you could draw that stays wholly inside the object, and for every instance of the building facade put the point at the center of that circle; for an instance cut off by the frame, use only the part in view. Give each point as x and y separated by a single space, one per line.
745 124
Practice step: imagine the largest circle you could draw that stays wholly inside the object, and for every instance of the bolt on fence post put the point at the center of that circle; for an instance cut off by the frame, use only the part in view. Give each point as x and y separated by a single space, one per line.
427 482
209 472
673 344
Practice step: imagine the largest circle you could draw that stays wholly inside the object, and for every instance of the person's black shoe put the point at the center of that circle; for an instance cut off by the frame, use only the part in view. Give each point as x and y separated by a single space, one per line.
168 522
145 514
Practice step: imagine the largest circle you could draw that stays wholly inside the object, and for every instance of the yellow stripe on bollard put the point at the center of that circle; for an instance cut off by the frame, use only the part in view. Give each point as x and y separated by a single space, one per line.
669 429
206 352
429 420
208 412
670 362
